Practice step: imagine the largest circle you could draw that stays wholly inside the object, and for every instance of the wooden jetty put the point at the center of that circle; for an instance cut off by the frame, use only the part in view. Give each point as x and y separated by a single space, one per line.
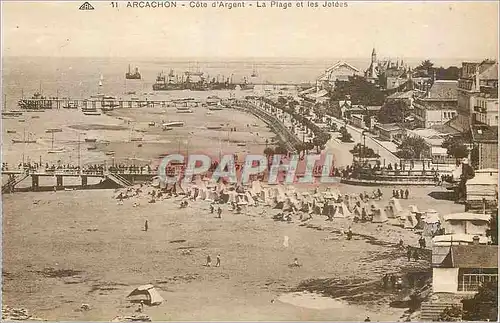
106 104
115 179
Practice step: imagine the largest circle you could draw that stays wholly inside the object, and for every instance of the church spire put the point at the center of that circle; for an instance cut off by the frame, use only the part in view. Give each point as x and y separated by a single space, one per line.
374 55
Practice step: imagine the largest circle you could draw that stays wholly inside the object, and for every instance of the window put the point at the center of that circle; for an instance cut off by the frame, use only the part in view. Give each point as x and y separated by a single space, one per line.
469 280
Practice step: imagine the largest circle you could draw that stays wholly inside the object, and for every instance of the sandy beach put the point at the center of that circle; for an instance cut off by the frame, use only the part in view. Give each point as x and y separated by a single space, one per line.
95 252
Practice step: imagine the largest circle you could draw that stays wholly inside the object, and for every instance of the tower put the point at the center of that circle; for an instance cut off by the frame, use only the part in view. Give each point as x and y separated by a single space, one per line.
374 56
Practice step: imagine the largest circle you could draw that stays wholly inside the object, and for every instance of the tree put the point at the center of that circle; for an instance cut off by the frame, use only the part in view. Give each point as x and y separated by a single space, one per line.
484 305
451 314
392 112
280 150
368 121
425 66
268 151
455 146
411 148
345 136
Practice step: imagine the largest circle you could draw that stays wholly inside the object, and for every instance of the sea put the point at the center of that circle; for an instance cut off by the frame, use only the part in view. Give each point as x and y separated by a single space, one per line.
78 77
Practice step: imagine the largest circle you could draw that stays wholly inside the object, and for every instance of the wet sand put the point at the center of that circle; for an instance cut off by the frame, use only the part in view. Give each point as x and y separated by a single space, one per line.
101 249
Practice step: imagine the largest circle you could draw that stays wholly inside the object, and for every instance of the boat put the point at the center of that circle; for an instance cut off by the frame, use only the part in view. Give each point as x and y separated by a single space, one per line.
24 140
182 108
11 114
11 131
214 127
21 120
152 124
92 148
100 80
167 128
130 92
56 150
136 139
109 153
35 117
216 108
164 84
140 130
90 139
185 111
174 124
133 76
95 113
241 144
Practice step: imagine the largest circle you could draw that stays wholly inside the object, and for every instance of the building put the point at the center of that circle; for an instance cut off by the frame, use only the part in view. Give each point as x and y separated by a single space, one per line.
390 131
485 146
438 105
434 138
466 223
476 79
386 73
482 190
486 109
465 268
340 71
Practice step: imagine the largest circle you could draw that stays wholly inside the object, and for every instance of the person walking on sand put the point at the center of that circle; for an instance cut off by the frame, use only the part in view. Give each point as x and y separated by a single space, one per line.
212 208
217 261
407 193
219 213
209 261
146 226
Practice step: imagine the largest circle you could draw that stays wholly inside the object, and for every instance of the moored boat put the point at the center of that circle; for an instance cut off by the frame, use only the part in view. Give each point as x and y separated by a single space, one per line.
174 124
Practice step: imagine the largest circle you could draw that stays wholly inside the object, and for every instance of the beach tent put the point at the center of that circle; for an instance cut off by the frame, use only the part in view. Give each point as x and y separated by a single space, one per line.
379 215
178 189
256 188
431 223
410 221
250 199
342 211
146 293
394 208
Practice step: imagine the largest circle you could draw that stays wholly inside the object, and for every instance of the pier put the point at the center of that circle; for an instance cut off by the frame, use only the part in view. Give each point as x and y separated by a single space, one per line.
92 103
116 179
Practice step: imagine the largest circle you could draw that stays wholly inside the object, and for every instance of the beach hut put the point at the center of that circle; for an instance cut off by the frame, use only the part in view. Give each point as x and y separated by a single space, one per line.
379 215
410 221
146 293
394 208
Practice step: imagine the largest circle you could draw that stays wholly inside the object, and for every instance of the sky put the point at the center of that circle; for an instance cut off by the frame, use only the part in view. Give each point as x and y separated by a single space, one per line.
403 29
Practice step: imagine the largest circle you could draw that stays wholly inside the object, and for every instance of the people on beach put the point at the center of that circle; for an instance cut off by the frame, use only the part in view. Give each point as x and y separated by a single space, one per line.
217 261
407 193
146 226
385 280
219 213
408 253
212 209
349 234
209 261
367 319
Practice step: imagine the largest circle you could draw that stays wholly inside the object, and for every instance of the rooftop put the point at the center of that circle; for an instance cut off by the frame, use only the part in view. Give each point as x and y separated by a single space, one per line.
388 126
401 95
484 133
466 216
471 256
443 90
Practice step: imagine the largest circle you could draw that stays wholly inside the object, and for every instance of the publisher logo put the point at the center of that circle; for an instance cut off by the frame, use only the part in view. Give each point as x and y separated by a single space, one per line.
86 6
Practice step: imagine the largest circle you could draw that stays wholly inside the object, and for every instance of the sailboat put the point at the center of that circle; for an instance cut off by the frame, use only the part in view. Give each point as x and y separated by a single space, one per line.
254 72
24 141
53 150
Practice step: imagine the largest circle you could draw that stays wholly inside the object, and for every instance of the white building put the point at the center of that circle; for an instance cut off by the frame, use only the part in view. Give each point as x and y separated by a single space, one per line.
339 71
465 268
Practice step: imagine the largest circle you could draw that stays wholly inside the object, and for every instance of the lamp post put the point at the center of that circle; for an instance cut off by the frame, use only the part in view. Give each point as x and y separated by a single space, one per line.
364 144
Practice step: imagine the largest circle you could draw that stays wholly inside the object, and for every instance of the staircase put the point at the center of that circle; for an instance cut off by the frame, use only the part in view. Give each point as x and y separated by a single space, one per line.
118 179
430 311
13 181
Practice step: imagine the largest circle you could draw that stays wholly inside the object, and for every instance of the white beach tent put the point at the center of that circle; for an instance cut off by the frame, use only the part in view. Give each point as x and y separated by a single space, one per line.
342 211
394 208
379 215
146 293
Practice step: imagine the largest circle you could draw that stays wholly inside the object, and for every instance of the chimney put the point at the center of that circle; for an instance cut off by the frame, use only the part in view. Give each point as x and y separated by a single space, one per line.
476 80
475 240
